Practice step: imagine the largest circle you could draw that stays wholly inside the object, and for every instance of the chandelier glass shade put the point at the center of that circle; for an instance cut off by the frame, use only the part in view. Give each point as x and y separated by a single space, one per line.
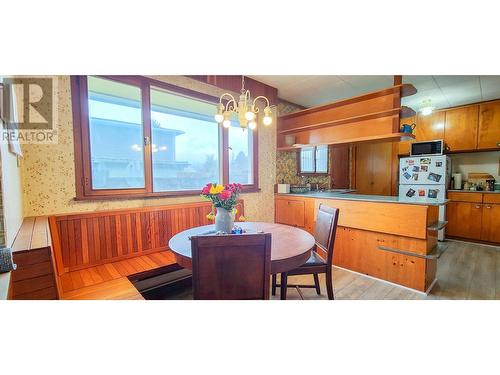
246 109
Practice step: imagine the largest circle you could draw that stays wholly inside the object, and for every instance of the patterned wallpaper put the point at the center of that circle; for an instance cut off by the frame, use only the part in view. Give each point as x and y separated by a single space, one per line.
286 161
49 174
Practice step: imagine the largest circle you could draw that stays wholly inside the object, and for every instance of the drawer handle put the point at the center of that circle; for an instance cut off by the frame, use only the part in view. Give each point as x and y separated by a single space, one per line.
478 206
488 206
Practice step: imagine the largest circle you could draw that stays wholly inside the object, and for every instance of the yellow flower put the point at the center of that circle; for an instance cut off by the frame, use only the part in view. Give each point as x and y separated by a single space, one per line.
216 189
211 216
242 218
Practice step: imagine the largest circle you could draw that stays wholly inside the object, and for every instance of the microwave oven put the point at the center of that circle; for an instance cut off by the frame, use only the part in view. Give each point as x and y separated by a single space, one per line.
427 148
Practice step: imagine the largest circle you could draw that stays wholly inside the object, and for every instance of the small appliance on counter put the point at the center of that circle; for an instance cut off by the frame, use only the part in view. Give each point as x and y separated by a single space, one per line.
284 188
457 181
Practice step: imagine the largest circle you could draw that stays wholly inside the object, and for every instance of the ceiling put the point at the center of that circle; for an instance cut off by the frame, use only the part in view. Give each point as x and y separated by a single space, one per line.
443 91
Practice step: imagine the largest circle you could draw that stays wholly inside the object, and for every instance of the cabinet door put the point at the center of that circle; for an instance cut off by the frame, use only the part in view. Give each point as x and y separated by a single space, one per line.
453 226
489 126
464 219
491 223
430 127
290 212
460 129
374 163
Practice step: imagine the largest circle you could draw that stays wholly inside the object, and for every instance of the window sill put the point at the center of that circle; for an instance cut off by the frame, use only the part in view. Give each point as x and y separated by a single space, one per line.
171 194
313 174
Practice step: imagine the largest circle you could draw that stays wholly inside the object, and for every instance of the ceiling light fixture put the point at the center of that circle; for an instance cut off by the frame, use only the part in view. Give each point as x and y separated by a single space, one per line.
427 107
246 109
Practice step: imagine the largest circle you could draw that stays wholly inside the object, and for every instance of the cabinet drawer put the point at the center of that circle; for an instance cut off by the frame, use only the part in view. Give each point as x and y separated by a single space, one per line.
465 197
491 198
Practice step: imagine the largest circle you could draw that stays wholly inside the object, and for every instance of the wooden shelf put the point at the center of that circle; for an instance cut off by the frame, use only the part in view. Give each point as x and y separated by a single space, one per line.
406 112
404 89
370 116
393 137
403 112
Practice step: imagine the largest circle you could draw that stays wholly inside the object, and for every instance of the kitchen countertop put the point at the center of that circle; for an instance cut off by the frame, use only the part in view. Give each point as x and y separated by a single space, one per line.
368 198
4 285
475 191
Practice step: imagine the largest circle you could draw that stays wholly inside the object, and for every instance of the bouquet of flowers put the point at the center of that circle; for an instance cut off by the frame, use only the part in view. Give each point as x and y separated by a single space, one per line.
223 196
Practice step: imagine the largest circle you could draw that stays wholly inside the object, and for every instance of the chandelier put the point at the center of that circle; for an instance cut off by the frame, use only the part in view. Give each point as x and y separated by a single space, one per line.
245 109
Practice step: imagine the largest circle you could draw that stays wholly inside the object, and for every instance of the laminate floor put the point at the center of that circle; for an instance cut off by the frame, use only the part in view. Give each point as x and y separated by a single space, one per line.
465 271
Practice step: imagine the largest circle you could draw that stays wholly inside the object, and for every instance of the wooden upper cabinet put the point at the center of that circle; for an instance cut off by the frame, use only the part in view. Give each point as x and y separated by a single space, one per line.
430 127
460 130
489 126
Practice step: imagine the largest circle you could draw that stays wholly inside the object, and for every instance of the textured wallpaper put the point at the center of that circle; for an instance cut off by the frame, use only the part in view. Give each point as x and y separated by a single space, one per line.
49 172
286 161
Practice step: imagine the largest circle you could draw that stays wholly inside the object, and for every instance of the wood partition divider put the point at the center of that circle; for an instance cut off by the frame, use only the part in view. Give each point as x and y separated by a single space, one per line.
83 240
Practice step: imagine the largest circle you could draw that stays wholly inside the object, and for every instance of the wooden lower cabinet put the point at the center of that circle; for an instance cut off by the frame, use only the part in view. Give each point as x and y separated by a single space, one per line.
491 223
295 211
474 216
359 251
464 219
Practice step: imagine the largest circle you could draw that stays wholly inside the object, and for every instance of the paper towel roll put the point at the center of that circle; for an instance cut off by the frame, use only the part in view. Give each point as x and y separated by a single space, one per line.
457 181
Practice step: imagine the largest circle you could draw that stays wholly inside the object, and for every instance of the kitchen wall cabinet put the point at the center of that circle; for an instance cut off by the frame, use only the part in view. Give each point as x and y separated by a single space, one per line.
375 164
467 128
460 128
430 127
489 126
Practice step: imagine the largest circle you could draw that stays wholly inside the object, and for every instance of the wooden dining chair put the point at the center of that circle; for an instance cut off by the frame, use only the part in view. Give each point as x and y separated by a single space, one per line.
231 266
326 227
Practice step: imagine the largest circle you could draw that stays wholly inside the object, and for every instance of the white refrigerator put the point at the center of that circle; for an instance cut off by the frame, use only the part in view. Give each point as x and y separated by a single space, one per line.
425 178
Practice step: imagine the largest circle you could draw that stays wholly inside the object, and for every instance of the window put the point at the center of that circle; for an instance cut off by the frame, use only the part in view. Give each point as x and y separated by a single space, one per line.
115 135
240 154
185 142
139 137
313 160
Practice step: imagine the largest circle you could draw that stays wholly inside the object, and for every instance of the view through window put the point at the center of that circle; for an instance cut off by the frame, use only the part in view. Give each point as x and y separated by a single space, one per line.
177 147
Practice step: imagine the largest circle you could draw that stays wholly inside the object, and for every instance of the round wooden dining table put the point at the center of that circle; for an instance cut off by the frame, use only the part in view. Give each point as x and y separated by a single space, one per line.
290 246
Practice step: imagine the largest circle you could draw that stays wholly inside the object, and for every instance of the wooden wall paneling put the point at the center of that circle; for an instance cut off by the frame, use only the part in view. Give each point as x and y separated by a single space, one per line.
392 218
90 239
376 168
460 130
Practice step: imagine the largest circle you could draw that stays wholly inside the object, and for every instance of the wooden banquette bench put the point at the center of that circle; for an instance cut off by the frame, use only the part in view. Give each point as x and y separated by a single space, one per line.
95 253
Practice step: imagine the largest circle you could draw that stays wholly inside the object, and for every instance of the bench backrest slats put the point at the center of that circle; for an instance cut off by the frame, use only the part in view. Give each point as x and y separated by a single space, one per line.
89 239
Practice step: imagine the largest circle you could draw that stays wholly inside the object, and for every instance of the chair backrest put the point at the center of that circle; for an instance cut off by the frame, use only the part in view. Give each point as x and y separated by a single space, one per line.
326 227
231 267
